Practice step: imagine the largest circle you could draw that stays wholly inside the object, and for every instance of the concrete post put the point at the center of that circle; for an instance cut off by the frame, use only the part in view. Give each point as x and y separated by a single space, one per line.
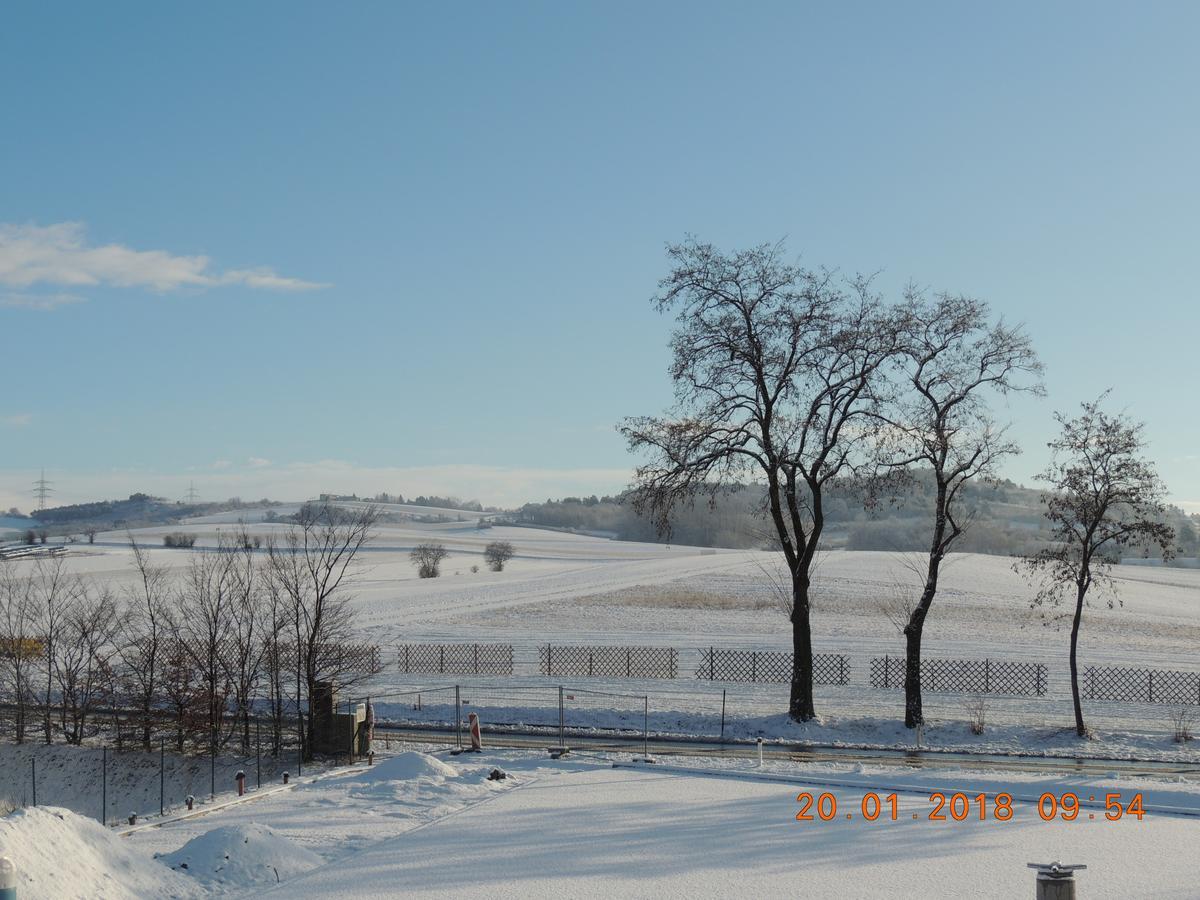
240 777
760 743
190 801
8 879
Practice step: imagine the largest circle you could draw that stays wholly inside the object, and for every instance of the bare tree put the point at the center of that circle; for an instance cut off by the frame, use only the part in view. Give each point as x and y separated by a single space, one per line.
54 595
20 647
1104 495
952 358
180 681
145 627
205 616
278 615
313 567
428 559
245 648
497 553
775 370
83 668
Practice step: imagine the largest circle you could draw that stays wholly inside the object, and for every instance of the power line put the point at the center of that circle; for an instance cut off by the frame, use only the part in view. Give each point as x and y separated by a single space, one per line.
42 490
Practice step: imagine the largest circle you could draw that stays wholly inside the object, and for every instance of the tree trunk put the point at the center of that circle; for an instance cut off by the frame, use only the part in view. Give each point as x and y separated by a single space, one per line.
913 711
914 630
800 706
1080 727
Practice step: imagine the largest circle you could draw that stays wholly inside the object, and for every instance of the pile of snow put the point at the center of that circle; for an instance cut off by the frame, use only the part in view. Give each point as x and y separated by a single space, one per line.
409 765
60 855
241 856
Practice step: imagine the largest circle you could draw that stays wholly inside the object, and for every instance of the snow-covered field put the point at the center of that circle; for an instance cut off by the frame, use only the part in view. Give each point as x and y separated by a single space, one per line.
433 825
566 588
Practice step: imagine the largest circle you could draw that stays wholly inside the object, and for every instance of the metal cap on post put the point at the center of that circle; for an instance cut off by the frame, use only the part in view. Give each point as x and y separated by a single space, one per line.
1055 881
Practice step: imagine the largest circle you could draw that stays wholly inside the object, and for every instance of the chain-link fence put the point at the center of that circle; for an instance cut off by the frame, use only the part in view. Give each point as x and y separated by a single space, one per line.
963 676
1130 685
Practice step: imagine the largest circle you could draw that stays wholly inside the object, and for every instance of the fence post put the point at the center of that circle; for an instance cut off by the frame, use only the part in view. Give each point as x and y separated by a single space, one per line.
1150 673
841 669
646 726
561 719
887 671
212 765
712 665
549 659
754 665
987 675
722 714
103 785
589 662
458 715
258 753
162 778
442 660
33 763
628 668
476 659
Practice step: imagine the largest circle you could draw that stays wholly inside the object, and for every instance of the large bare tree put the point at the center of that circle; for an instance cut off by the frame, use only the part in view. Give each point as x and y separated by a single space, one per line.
1104 496
952 360
775 368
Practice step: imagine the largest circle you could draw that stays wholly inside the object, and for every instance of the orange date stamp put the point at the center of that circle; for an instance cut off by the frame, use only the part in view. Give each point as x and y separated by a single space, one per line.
960 806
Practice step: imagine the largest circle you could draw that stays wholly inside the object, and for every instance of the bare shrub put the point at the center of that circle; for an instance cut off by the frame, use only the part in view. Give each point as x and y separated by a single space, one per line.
179 539
428 559
977 713
497 553
1182 718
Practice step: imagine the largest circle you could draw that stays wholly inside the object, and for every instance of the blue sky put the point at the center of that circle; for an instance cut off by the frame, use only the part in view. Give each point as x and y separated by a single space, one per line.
279 248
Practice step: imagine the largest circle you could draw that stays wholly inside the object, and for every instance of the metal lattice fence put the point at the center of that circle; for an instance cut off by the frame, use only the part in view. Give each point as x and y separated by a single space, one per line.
609 662
764 666
963 676
1131 685
456 659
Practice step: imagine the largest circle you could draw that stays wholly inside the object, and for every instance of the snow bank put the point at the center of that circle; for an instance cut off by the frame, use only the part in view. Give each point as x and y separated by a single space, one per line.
409 765
63 856
241 856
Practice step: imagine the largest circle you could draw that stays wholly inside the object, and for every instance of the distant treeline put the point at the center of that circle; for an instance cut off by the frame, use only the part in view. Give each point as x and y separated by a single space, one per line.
139 510
1006 519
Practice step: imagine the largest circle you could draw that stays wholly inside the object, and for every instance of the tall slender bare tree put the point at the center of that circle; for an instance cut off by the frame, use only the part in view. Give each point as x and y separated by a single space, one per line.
775 370
145 634
1104 495
952 360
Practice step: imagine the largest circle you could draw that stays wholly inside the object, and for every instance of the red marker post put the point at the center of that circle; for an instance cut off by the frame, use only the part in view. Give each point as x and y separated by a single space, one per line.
476 738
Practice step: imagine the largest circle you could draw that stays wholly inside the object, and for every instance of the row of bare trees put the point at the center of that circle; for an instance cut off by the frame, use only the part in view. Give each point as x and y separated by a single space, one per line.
798 379
198 654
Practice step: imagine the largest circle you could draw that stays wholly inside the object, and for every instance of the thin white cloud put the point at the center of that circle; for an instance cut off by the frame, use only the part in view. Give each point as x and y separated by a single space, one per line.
59 255
39 302
257 462
16 420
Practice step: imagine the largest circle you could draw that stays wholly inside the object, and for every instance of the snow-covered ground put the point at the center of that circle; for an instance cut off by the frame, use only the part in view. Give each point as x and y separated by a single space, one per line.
567 588
422 825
